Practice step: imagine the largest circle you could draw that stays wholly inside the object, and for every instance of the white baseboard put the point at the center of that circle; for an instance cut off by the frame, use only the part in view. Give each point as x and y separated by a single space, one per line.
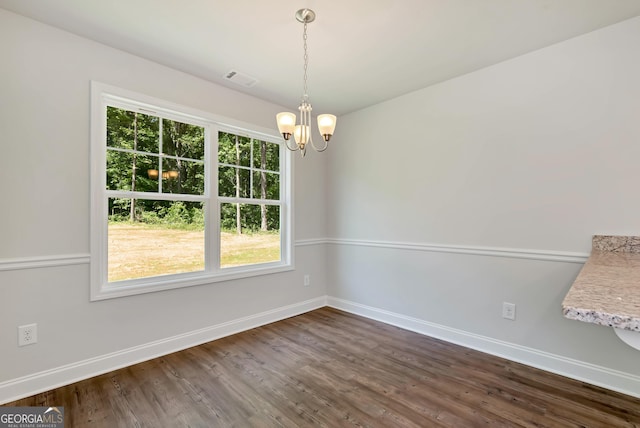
26 386
596 375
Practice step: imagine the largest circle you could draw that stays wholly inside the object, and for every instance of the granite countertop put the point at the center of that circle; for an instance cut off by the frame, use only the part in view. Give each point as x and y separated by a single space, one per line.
607 290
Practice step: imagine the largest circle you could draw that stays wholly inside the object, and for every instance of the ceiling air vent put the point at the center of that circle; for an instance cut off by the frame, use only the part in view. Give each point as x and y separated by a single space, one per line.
240 79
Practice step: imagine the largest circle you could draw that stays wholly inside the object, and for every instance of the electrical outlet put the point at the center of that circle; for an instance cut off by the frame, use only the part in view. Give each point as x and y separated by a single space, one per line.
509 311
27 334
307 280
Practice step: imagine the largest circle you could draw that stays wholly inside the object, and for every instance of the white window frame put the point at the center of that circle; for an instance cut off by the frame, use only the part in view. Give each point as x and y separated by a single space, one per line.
103 95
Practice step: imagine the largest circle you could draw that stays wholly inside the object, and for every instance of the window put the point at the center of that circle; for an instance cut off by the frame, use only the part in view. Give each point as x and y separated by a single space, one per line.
250 202
181 198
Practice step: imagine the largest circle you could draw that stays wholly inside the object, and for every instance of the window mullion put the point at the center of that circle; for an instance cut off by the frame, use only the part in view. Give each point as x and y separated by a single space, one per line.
212 213
248 201
251 168
160 153
140 152
154 196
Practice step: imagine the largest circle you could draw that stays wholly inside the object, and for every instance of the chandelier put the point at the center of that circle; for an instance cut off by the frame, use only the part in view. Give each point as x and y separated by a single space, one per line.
287 121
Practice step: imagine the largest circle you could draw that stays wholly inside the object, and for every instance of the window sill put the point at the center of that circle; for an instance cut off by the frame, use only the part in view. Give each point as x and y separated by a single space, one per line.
169 282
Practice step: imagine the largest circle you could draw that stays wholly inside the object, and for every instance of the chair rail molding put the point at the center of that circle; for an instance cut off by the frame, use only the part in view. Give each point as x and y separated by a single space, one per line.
44 261
516 253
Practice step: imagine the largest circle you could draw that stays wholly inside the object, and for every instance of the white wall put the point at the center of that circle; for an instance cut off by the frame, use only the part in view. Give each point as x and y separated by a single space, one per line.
536 154
44 173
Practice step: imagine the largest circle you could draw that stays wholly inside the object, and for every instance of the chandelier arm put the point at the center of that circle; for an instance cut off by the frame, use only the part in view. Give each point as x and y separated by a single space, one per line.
326 144
286 144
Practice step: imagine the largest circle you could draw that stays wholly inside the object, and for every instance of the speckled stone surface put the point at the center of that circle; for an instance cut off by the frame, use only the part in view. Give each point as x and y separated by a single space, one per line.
607 289
617 244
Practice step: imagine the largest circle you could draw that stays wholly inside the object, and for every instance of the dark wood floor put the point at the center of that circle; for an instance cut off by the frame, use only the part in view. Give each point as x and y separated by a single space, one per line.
330 368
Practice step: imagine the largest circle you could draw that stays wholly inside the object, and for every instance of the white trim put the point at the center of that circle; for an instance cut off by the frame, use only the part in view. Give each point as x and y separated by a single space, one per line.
152 105
26 386
518 253
515 253
170 282
309 242
625 383
44 261
41 262
155 196
103 95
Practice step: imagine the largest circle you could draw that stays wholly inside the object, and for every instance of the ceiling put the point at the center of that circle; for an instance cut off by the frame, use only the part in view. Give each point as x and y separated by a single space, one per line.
361 52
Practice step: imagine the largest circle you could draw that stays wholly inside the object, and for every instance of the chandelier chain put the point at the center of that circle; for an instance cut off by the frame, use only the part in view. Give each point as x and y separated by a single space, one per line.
306 61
